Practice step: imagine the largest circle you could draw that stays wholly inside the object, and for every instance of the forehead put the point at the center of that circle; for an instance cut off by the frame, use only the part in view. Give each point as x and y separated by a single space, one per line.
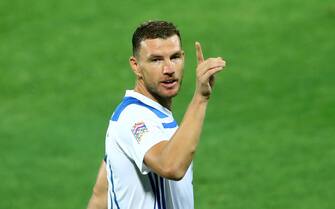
159 46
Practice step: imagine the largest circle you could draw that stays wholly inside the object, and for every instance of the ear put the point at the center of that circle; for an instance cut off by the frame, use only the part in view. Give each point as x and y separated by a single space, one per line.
135 66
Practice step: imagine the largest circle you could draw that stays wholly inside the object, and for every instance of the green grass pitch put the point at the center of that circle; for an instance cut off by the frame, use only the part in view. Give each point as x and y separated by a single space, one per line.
268 139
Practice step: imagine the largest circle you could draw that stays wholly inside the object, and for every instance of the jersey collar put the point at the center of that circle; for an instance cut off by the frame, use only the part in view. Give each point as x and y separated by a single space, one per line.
147 101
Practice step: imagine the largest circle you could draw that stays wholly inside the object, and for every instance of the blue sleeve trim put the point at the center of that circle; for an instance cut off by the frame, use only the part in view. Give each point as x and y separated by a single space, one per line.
173 124
131 100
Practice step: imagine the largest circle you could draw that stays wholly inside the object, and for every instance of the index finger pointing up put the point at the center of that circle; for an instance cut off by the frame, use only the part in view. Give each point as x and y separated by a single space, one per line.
200 56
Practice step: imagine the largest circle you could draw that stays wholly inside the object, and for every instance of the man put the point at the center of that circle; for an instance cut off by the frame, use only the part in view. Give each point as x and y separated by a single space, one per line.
148 157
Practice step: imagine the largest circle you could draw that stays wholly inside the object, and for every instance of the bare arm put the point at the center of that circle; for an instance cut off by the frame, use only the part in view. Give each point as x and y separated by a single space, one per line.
172 158
98 199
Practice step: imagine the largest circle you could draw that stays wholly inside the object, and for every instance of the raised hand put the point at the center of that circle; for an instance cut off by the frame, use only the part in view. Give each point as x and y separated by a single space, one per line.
206 71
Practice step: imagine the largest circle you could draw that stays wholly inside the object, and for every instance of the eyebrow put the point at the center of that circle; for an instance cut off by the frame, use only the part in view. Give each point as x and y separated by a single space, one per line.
154 56
178 53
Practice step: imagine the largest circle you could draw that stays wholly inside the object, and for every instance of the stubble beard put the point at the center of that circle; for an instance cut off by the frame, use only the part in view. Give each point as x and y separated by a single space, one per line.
160 96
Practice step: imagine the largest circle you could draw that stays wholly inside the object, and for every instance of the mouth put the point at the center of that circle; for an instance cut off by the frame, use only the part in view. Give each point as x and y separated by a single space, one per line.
169 83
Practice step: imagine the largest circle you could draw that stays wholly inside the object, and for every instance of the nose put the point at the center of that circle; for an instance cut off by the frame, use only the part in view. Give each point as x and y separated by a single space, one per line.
168 67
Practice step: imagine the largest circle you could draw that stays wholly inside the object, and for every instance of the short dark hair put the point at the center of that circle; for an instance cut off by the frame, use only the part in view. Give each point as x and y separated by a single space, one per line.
152 30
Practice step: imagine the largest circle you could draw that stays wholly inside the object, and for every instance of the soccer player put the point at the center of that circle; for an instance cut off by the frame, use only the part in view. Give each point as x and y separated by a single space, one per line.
148 157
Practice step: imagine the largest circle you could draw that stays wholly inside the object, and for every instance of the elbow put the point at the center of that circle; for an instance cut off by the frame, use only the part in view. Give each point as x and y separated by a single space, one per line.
174 169
96 192
173 173
99 191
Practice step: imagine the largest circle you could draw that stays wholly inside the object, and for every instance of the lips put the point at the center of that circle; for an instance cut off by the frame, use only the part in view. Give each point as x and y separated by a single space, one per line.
169 83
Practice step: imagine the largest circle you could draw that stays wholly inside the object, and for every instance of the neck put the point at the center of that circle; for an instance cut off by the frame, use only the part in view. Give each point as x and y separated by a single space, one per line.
165 102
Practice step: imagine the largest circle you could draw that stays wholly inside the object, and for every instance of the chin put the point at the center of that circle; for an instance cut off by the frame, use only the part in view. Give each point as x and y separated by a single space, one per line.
164 93
170 93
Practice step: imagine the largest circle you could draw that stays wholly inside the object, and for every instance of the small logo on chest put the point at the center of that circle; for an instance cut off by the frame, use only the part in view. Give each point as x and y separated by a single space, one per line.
138 130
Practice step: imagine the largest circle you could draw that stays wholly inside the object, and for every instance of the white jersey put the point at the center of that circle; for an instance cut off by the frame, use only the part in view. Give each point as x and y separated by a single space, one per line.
137 124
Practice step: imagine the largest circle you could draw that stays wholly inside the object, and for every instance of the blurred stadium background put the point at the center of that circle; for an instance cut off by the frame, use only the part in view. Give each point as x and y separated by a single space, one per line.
268 142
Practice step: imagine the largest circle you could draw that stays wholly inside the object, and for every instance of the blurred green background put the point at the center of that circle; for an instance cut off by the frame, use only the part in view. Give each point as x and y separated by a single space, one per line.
268 141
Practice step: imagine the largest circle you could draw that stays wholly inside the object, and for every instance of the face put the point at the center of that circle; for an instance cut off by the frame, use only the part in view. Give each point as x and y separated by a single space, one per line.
159 67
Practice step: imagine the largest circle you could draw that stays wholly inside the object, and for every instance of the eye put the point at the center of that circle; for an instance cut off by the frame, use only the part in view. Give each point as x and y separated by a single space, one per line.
175 56
155 59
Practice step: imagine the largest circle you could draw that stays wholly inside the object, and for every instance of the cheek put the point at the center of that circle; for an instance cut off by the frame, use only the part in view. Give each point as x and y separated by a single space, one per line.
180 69
150 76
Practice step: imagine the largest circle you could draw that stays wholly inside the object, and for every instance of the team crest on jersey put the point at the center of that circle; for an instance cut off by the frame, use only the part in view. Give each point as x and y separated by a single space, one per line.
138 130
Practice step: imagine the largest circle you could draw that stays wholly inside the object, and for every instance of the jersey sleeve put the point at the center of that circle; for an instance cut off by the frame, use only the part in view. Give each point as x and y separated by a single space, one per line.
139 129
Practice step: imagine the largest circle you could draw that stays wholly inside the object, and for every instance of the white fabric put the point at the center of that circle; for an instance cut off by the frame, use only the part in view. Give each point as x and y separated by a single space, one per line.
131 184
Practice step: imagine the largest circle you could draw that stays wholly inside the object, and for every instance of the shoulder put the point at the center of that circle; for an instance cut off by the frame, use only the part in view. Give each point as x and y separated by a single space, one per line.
134 112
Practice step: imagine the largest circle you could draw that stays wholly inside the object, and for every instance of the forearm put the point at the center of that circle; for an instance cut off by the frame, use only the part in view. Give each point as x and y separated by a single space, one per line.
98 202
176 154
183 144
